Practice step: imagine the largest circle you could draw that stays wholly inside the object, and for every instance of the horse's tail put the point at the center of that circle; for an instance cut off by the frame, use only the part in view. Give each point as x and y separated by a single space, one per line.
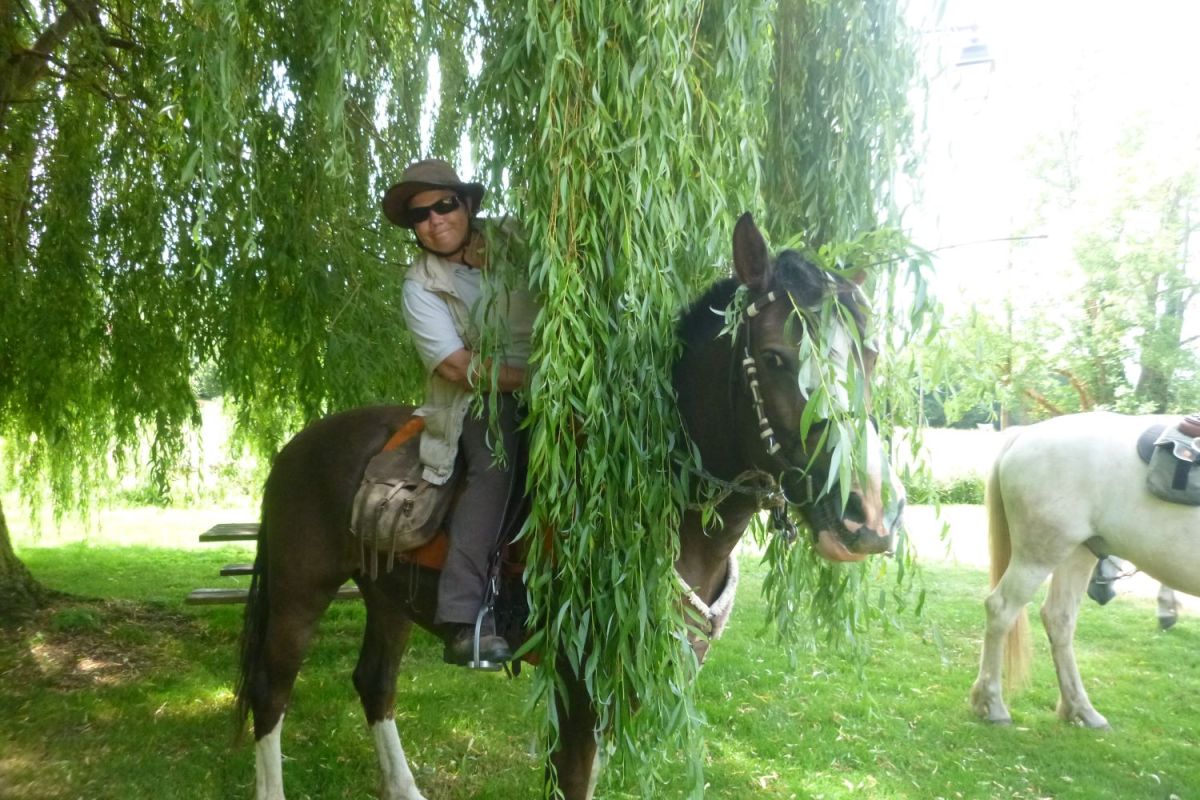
1017 653
254 634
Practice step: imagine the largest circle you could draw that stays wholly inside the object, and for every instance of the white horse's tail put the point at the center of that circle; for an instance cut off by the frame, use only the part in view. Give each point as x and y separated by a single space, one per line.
1017 653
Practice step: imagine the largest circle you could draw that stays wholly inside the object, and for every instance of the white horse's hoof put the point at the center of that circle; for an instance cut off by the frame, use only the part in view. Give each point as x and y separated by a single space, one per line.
1092 725
1167 622
988 706
1085 718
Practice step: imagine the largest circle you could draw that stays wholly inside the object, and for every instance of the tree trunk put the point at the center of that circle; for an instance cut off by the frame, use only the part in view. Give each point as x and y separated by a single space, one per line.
22 68
19 592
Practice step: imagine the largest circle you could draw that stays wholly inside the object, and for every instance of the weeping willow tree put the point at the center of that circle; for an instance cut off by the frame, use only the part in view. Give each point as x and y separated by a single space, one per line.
192 184
198 183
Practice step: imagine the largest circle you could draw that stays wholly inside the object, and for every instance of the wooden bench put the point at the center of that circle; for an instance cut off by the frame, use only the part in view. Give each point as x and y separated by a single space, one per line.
240 532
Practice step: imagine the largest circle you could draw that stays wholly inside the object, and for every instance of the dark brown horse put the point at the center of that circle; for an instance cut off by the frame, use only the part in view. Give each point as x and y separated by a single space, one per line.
740 398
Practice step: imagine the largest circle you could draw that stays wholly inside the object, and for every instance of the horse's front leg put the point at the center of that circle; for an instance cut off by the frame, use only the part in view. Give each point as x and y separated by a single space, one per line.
383 645
398 782
1060 612
575 760
268 765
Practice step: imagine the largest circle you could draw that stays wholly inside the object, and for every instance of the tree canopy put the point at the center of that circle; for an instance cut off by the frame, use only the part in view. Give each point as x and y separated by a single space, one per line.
193 184
1109 329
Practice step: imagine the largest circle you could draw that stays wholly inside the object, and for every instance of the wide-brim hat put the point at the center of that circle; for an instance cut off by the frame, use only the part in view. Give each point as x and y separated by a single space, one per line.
420 176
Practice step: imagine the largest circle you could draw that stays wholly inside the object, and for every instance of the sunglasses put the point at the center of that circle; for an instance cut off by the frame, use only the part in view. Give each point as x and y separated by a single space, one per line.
447 205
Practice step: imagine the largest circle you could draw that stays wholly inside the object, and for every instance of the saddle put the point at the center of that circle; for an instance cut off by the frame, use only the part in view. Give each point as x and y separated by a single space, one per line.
1172 453
395 510
399 514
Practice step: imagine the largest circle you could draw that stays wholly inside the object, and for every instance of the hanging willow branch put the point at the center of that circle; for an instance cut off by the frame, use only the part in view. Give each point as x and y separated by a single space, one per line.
616 127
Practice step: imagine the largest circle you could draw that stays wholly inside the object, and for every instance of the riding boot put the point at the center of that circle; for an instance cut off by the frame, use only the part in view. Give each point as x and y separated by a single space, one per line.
460 644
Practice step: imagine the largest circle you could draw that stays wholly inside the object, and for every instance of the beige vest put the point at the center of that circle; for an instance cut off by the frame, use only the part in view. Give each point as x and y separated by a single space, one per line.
446 404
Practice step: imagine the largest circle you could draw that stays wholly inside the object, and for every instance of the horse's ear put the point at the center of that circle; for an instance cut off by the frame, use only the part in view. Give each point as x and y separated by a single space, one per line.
751 260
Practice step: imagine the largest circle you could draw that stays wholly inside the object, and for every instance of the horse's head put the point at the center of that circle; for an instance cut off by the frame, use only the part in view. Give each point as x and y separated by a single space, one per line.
805 361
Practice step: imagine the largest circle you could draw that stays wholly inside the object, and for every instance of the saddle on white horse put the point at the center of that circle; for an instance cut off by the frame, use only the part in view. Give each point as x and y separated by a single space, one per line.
1173 453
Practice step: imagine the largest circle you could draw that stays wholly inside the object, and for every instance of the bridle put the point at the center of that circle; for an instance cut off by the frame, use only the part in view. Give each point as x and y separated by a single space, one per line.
750 368
769 491
794 483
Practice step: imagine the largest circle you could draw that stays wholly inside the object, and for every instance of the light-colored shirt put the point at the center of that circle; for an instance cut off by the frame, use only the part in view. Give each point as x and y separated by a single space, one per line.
435 301
432 325
429 321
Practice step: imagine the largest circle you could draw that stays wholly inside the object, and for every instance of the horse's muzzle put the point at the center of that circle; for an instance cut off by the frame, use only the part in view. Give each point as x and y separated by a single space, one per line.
849 534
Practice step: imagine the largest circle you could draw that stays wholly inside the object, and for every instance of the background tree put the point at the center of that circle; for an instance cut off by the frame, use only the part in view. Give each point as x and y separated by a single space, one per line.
199 184
1111 330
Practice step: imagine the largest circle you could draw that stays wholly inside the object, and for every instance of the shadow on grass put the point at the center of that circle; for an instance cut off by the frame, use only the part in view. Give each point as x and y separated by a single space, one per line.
122 698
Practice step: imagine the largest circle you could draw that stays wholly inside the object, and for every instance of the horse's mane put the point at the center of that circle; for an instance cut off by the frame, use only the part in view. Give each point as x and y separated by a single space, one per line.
705 317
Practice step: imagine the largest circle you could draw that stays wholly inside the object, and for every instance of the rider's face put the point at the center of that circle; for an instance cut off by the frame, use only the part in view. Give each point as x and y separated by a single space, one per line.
438 232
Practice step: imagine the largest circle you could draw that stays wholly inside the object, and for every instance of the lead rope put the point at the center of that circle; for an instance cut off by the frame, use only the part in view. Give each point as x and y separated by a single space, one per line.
753 482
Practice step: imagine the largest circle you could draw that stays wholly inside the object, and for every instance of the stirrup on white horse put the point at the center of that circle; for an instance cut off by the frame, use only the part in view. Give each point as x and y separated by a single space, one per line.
1100 588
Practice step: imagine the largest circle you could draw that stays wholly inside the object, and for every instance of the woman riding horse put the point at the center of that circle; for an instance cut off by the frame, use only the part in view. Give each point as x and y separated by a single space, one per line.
446 315
741 393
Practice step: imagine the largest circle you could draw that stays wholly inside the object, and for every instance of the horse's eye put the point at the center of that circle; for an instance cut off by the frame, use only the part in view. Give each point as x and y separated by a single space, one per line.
773 360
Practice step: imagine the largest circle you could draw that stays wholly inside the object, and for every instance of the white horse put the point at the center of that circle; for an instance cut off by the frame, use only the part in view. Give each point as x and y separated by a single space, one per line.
1055 486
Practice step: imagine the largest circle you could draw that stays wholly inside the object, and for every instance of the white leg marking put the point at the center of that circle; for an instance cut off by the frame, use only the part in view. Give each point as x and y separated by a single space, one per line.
398 783
268 765
591 790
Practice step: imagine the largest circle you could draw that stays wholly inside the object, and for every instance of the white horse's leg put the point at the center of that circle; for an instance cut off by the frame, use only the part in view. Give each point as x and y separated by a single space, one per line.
1059 614
398 782
1003 605
268 765
1168 607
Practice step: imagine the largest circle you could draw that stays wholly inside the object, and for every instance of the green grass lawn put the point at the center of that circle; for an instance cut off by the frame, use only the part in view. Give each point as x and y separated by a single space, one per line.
130 697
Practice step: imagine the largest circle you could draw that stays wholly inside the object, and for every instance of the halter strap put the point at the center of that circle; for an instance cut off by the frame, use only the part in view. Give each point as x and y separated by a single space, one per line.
750 367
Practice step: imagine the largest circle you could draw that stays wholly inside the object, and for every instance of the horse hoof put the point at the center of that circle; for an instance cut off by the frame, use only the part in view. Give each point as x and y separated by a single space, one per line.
1166 623
1095 726
1094 723
991 718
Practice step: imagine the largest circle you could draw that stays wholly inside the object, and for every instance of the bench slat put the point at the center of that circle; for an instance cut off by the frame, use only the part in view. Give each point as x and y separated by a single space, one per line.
231 532
212 597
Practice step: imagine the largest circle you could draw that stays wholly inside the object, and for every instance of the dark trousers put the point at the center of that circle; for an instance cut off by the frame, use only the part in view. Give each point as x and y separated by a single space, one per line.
478 514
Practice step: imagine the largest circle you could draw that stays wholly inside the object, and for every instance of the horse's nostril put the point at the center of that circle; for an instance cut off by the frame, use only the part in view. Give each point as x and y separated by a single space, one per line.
854 509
